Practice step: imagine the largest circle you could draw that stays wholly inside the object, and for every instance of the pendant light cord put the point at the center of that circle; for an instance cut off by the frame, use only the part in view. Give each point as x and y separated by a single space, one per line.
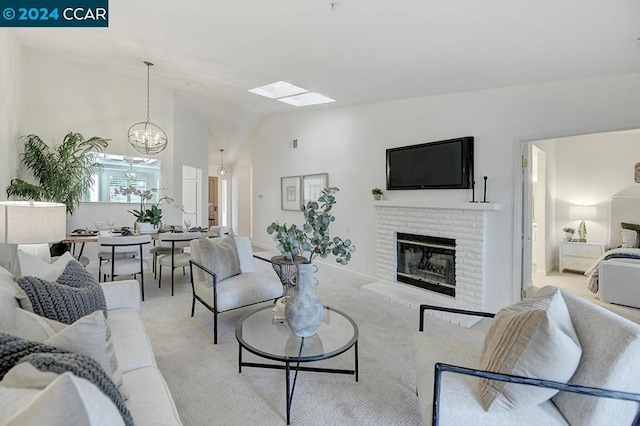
149 64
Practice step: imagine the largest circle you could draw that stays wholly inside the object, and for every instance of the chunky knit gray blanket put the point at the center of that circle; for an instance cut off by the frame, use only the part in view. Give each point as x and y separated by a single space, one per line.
75 293
15 350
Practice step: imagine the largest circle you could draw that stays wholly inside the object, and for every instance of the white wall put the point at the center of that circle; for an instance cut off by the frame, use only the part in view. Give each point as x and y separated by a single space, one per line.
590 169
349 143
10 76
190 149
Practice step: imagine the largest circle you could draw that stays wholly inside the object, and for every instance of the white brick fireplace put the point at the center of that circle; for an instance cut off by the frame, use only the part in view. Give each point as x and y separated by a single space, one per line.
464 222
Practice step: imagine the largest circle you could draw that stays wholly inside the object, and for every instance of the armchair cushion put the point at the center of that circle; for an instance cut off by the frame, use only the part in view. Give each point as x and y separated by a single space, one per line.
460 401
533 338
220 255
240 290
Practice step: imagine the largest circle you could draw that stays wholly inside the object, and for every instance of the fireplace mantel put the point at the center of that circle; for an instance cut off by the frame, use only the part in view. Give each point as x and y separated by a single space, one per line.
450 205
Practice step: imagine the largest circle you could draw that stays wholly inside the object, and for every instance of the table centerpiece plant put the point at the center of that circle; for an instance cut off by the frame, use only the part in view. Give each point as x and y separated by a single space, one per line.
151 215
304 311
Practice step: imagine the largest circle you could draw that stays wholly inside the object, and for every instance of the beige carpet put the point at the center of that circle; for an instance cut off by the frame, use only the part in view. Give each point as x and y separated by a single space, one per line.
208 389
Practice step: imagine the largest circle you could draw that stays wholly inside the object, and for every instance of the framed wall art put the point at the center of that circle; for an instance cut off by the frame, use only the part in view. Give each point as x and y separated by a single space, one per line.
313 186
290 193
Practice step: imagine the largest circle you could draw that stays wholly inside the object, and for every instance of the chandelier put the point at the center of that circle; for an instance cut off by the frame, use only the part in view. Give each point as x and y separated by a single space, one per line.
130 174
221 170
145 136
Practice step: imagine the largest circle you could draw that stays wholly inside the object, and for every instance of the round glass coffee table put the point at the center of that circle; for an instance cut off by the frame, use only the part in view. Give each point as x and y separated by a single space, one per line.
258 333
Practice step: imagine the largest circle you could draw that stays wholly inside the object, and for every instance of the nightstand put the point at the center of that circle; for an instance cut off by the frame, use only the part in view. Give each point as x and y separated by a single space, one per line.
577 256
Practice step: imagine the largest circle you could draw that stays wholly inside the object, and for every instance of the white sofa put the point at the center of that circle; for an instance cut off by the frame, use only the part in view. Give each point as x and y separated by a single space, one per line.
610 360
149 399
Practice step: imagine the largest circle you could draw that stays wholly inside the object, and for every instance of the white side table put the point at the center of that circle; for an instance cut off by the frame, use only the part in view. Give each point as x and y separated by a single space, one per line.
579 257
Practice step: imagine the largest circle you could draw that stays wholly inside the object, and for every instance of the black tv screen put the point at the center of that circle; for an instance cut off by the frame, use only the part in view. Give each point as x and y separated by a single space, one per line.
434 165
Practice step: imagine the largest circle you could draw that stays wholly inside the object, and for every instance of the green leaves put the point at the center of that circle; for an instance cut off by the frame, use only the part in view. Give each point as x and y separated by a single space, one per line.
63 173
314 237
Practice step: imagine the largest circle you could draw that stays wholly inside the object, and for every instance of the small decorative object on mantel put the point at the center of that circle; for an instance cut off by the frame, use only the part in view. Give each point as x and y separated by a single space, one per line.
473 192
304 311
484 197
377 193
568 233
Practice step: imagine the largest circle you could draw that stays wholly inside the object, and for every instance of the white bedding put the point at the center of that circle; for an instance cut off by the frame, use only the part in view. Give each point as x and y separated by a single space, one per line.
592 273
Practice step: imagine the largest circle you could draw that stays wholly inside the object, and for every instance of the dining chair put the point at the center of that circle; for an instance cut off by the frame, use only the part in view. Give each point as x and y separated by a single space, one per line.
176 257
117 265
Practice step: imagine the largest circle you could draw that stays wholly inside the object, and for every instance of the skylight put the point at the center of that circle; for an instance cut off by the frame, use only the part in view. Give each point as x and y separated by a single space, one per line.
278 89
305 99
290 94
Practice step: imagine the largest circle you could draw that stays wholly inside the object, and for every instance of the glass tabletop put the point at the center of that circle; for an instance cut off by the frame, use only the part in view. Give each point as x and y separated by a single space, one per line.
260 334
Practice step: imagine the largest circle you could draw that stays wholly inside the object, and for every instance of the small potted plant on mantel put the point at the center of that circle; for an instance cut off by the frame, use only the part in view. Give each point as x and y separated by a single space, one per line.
377 193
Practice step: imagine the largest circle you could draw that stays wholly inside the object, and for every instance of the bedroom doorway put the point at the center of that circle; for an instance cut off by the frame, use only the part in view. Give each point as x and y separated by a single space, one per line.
582 170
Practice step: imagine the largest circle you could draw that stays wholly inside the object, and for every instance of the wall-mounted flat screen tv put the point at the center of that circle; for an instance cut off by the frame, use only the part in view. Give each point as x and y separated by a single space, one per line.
434 165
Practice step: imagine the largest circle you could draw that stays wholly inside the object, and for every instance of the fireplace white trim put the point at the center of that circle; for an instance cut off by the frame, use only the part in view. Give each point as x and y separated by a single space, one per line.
464 222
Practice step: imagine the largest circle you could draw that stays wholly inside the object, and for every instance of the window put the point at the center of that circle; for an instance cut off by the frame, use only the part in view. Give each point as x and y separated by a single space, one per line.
120 171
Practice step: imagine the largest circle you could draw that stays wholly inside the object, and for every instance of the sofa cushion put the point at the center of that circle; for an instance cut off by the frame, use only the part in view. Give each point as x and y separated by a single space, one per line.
67 400
533 338
150 402
130 340
610 348
220 255
460 403
75 295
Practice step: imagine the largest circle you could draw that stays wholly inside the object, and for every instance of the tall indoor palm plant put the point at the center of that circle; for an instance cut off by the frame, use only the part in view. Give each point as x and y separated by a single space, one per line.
64 173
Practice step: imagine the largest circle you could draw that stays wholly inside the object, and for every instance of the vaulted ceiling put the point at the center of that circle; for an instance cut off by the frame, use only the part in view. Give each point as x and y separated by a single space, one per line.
359 51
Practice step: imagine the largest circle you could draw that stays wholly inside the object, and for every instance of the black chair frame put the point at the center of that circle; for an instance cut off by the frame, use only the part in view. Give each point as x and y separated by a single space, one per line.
113 266
214 288
549 384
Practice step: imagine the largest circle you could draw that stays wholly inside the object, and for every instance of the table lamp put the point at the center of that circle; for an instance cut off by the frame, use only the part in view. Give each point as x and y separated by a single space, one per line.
582 213
32 224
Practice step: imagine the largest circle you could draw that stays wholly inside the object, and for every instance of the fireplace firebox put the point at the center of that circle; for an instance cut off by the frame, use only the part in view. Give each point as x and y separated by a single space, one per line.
427 262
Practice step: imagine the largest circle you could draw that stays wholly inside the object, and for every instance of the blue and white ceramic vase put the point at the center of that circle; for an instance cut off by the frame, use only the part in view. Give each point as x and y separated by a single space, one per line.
304 311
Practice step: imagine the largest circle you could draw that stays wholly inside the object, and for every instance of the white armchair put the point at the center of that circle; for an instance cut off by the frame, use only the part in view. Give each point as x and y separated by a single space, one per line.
247 288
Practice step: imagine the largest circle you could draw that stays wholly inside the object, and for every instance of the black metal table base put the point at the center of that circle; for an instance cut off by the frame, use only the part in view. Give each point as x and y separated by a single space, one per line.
290 387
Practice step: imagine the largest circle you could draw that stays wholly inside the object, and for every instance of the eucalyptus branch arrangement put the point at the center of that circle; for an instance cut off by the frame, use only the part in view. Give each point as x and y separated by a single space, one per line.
313 239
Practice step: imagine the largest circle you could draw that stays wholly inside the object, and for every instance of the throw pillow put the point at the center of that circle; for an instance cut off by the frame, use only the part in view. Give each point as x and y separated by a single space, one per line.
534 338
66 400
632 227
220 256
33 266
629 238
90 336
29 265
83 367
62 302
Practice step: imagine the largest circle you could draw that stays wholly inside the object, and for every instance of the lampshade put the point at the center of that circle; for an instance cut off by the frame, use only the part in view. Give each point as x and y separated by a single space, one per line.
583 212
32 222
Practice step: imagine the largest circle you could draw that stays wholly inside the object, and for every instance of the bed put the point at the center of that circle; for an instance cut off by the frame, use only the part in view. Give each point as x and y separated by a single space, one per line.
615 277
